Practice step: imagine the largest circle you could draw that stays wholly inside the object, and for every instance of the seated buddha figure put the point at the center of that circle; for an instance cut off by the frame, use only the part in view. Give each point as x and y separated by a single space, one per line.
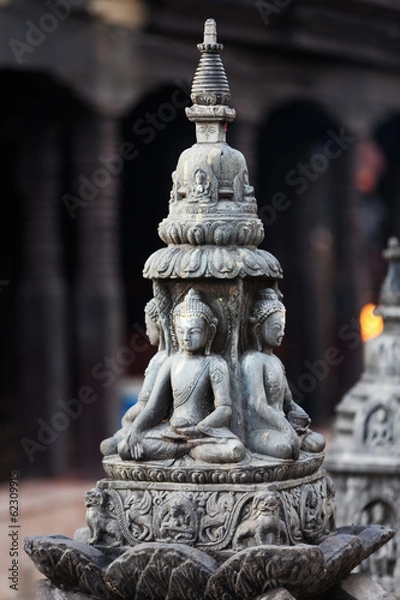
276 425
156 337
189 408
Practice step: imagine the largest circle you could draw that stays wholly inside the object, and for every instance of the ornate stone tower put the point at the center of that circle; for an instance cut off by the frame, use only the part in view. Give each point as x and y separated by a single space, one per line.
214 484
364 458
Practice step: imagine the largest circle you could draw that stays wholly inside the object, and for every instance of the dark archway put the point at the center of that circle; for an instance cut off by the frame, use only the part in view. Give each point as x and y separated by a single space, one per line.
36 263
304 197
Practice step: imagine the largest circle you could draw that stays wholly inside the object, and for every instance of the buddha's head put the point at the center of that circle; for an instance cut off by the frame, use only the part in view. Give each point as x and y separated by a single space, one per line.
268 317
195 324
152 320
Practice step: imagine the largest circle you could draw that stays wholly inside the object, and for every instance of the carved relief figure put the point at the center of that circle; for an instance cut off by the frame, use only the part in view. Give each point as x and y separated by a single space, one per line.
218 513
311 507
138 505
189 409
248 190
383 562
174 196
176 521
156 337
264 525
99 518
201 189
276 425
379 429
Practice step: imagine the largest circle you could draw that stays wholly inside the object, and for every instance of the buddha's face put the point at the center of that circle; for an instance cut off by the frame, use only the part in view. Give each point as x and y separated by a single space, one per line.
152 330
273 330
192 334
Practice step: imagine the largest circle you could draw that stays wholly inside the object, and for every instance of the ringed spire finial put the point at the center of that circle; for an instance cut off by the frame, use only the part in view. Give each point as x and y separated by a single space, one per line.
210 84
210 37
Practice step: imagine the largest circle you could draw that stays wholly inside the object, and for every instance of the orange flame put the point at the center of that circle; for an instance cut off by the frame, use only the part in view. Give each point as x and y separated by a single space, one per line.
371 325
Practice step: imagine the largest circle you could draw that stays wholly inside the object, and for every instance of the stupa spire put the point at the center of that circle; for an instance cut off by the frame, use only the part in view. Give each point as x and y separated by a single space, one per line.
389 299
210 83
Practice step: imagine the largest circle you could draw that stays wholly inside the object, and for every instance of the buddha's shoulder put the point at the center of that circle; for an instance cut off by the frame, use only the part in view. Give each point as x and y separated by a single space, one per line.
217 361
252 356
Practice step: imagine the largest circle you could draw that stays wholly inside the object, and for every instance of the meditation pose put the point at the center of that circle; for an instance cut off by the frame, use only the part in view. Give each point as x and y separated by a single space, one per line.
189 409
202 188
276 425
156 338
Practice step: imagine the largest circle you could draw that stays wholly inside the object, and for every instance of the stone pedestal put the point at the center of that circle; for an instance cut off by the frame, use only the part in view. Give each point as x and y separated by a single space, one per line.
364 457
215 487
355 587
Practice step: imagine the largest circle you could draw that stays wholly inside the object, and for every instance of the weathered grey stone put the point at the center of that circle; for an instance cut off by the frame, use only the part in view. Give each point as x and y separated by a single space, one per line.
364 457
47 591
361 587
215 488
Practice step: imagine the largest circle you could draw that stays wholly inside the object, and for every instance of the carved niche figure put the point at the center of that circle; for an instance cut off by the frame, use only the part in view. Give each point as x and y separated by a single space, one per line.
176 520
276 425
264 525
99 518
156 337
311 509
174 195
379 429
137 507
383 562
201 188
189 409
248 190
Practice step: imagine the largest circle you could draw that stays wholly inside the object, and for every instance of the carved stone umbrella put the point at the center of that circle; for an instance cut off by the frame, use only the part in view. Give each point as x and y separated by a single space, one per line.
214 485
364 457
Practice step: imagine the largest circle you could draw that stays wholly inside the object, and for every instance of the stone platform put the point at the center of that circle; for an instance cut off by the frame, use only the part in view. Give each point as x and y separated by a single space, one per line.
216 508
354 587
178 571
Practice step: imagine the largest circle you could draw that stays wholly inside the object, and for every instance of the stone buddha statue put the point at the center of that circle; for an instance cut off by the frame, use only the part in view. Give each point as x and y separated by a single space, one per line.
189 408
276 425
156 337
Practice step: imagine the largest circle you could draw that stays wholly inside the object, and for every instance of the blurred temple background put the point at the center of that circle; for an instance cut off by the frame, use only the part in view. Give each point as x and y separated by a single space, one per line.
91 126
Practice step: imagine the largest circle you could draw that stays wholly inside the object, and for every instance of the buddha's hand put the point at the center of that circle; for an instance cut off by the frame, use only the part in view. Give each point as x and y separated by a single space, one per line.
136 445
189 432
300 421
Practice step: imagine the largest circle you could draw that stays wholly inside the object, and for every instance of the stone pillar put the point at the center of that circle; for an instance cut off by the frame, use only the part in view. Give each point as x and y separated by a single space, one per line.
98 294
42 343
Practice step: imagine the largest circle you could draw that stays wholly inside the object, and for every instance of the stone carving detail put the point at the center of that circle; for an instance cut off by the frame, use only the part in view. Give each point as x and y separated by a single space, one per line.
200 404
157 337
177 262
263 525
364 456
214 487
176 520
270 405
218 232
379 428
163 570
249 471
101 518
222 519
383 562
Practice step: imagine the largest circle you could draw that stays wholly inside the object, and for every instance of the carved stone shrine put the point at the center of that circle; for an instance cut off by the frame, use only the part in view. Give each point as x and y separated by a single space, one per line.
364 458
214 486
